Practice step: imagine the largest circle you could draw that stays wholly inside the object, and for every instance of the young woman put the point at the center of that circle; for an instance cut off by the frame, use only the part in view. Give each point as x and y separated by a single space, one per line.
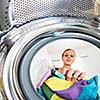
66 83
68 57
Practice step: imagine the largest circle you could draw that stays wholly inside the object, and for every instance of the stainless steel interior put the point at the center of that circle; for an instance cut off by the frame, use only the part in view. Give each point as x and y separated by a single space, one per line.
28 25
16 12
31 9
52 29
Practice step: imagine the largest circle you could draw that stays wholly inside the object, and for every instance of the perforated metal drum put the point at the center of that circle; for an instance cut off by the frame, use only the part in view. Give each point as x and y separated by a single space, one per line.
21 11
31 25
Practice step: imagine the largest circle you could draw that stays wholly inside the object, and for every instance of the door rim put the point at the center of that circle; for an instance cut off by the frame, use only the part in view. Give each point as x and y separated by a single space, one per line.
12 88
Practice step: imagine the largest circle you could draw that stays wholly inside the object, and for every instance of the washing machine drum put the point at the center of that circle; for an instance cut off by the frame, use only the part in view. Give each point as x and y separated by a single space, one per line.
40 47
41 30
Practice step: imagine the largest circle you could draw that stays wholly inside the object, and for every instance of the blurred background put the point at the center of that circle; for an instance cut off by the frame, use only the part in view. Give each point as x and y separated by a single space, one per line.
87 58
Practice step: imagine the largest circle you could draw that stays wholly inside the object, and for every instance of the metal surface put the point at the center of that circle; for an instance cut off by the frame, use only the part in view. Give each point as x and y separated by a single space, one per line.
4 15
17 12
31 24
13 85
33 9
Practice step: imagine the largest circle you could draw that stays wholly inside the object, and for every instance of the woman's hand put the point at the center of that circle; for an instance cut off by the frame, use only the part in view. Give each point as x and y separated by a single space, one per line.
75 75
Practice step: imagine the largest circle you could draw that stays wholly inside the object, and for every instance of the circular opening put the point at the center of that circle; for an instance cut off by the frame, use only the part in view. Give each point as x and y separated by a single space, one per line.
87 58
46 51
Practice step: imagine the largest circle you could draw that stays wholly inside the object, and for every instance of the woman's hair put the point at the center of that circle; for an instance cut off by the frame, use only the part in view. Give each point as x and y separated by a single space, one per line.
67 50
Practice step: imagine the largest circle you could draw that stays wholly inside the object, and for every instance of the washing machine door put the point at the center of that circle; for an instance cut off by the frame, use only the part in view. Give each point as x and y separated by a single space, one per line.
30 56
40 31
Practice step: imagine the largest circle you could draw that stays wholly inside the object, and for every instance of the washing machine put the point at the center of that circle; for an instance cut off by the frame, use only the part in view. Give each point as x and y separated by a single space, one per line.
34 32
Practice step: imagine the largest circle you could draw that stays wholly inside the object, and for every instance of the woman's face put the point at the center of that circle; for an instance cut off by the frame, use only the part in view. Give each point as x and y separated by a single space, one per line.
68 57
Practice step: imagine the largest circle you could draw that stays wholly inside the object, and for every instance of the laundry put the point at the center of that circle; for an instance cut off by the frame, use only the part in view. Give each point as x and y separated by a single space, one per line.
55 87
